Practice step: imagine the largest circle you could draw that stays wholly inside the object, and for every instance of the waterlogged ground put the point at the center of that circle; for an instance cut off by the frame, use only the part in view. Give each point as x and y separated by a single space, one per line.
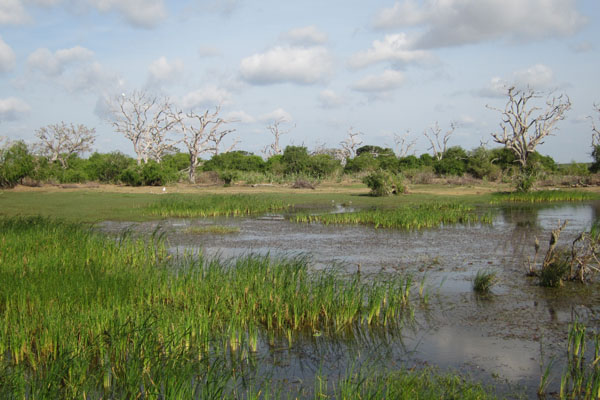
499 339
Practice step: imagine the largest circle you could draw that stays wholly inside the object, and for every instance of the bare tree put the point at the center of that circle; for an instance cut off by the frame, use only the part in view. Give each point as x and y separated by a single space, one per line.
439 141
198 132
522 131
351 143
403 145
277 131
144 119
216 139
59 141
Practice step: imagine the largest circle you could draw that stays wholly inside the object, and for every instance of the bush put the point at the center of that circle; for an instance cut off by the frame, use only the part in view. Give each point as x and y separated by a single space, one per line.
323 165
362 163
228 177
155 174
296 160
275 164
108 167
15 164
235 160
131 176
383 183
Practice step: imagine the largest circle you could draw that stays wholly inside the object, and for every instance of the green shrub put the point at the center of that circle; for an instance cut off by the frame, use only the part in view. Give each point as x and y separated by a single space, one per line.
108 167
235 160
366 162
323 165
383 183
228 177
296 160
15 164
131 176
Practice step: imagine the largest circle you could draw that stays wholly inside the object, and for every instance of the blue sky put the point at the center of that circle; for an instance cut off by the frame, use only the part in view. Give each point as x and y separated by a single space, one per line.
382 68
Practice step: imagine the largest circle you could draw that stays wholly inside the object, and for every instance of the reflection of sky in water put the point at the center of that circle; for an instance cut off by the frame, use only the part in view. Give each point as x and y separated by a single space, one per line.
448 257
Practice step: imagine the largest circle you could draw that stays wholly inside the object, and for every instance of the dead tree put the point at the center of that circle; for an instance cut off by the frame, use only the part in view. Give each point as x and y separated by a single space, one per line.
351 143
198 132
216 139
403 145
276 130
144 120
521 130
439 141
59 141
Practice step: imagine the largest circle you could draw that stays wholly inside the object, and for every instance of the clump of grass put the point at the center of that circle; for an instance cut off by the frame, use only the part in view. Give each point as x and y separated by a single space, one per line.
543 196
214 205
555 272
212 229
483 281
403 384
84 315
407 217
581 378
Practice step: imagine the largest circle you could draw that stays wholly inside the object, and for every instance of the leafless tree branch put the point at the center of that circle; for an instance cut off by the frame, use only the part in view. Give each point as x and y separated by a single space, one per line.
59 141
277 131
144 120
521 130
403 145
439 141
351 143
595 129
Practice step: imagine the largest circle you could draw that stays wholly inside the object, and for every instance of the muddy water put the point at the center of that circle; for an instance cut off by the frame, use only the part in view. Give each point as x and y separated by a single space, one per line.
495 338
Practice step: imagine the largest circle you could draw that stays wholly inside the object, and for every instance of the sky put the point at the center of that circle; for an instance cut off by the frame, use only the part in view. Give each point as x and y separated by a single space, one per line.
382 68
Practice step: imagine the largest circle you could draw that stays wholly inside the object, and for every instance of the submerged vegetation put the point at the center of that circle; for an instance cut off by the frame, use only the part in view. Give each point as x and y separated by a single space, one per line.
543 196
214 205
212 229
408 217
87 316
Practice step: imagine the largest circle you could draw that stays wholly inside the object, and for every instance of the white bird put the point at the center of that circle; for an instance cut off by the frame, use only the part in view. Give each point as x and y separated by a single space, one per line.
164 189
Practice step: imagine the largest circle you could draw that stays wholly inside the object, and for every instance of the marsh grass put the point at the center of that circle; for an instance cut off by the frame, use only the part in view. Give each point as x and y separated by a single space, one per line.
212 229
214 205
84 315
581 378
407 217
543 196
484 280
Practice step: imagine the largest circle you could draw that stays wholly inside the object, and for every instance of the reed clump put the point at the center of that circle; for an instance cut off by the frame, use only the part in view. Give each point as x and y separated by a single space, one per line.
84 315
484 280
543 196
407 217
213 206
581 378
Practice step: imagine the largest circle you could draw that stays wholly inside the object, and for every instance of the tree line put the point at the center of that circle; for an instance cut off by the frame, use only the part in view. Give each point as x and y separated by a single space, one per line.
158 131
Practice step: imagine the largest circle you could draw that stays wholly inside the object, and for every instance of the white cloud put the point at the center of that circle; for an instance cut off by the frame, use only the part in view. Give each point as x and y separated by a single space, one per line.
287 64
209 96
278 114
456 22
397 48
11 108
387 81
536 77
139 13
13 13
7 57
162 71
308 35
54 64
330 99
240 116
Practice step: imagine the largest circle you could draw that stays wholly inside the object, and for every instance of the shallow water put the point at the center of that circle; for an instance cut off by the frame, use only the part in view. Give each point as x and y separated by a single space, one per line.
495 338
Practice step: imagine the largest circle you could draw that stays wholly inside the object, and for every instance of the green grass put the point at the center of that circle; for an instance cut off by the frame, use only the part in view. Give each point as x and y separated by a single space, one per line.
543 196
581 378
212 229
214 205
483 281
87 315
407 217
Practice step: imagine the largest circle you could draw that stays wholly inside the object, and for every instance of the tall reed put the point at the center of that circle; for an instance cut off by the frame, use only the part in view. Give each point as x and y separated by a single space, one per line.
543 196
84 315
406 217
214 205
